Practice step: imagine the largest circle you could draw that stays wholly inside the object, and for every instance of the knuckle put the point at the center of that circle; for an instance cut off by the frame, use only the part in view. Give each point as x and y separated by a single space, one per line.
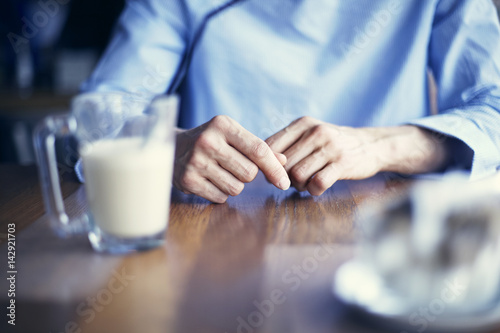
235 188
298 186
250 172
205 142
321 182
320 130
188 183
219 198
326 153
199 163
321 152
299 174
220 122
305 119
260 149
234 130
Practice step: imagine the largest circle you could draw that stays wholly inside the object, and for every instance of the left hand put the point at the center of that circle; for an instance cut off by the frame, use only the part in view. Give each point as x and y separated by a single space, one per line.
318 153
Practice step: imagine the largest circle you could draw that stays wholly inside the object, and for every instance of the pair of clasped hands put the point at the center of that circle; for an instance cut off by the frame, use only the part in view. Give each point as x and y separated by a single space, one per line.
216 159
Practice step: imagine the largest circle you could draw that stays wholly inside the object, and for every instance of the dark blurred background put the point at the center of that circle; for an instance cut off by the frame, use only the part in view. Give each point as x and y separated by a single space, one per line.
48 47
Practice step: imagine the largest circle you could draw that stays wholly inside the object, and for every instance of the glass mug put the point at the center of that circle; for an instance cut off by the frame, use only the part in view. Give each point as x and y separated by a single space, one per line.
444 235
126 147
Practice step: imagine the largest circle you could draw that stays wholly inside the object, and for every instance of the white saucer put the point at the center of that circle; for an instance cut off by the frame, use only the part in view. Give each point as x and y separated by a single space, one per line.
358 285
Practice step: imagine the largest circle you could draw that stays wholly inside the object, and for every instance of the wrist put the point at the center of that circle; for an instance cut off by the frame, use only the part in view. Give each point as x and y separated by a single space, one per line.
410 149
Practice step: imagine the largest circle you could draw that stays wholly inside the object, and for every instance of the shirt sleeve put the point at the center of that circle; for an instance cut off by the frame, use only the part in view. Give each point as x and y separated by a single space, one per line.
144 53
464 56
145 50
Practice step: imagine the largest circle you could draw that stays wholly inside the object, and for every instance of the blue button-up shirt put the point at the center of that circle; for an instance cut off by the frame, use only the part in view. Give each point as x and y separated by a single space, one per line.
352 62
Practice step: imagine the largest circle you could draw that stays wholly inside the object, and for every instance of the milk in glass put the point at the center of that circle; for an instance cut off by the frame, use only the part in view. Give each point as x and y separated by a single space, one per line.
128 185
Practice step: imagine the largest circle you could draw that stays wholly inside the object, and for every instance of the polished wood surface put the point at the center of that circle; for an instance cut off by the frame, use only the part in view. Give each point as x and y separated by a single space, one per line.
262 262
20 197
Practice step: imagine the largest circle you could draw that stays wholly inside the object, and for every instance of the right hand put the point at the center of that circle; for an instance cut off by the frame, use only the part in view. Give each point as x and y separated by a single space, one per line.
215 159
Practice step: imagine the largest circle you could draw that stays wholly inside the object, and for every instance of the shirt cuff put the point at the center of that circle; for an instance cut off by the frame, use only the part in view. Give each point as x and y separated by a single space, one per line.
79 170
470 147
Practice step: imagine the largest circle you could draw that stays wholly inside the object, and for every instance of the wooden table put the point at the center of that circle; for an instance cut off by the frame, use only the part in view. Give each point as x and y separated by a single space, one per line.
262 262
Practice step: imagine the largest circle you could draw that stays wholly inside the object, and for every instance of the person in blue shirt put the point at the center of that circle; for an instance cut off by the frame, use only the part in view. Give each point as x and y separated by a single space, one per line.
313 91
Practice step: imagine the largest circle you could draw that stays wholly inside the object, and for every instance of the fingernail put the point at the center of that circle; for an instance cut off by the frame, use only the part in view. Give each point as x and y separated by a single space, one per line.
284 159
284 183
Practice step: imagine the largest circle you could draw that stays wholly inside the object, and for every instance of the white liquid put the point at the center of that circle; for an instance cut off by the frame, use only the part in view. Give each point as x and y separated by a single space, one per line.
128 187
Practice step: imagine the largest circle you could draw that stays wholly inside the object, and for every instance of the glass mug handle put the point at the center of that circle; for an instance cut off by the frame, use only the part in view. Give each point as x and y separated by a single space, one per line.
44 138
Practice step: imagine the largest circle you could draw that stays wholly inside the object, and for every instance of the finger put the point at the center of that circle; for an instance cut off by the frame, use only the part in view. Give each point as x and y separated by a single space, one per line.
224 180
237 164
300 150
259 153
211 192
285 138
281 158
324 179
195 184
303 171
